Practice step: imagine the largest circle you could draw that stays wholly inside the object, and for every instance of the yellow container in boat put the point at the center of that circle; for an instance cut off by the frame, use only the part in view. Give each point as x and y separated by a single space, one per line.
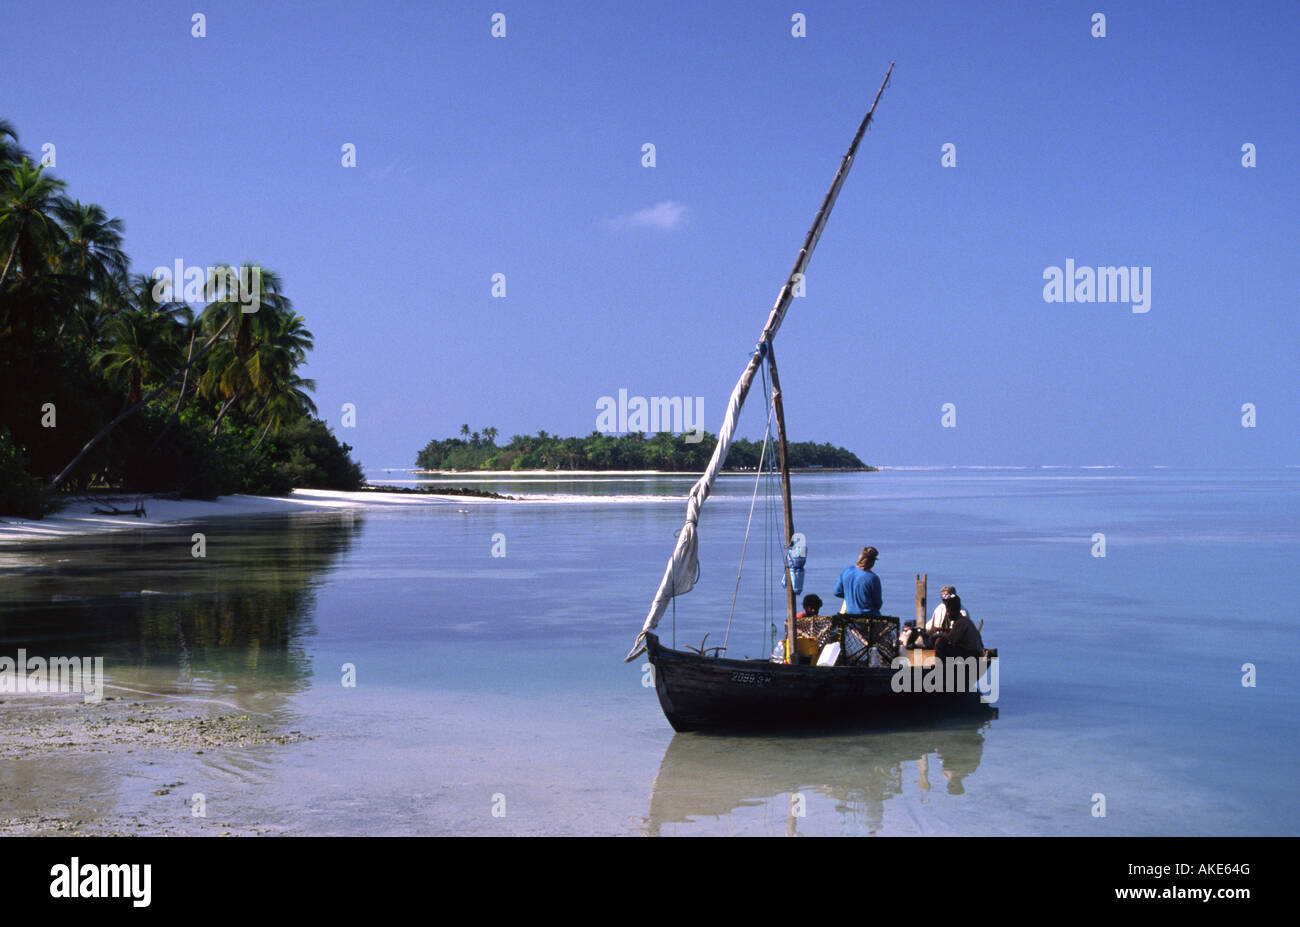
806 646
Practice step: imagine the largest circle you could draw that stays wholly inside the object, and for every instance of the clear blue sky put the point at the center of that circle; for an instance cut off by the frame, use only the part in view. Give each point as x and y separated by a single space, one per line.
522 156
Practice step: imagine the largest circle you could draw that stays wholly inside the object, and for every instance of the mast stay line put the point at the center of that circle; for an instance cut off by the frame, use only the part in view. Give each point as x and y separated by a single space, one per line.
684 566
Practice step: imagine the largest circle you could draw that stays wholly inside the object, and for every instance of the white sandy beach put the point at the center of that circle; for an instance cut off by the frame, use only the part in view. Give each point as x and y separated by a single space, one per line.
512 474
78 516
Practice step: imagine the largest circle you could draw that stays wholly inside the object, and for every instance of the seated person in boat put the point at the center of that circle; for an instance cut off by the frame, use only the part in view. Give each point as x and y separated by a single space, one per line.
859 587
962 638
945 613
812 605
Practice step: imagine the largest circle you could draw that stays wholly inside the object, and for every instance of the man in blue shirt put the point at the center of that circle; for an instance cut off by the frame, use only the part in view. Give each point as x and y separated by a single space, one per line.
859 587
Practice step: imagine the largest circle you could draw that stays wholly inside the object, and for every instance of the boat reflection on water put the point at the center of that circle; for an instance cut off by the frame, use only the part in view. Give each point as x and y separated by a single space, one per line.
844 777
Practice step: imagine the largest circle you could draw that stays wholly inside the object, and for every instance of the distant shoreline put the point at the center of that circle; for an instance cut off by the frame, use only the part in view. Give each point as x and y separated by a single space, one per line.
501 473
78 517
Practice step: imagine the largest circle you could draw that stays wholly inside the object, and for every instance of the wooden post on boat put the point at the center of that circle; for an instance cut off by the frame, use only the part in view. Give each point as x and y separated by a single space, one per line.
922 581
778 407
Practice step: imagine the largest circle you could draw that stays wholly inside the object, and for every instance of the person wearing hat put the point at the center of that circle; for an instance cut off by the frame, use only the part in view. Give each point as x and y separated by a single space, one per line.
859 587
943 613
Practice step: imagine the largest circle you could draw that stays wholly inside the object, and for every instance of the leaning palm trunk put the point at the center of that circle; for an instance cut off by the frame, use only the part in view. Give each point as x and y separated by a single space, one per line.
185 379
9 262
176 413
130 410
263 436
262 408
226 408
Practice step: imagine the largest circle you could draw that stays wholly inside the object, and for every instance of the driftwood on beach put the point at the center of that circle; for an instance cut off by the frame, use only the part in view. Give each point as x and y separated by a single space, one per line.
138 511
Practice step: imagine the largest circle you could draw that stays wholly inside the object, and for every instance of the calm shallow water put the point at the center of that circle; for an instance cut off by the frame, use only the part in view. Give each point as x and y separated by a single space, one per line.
485 679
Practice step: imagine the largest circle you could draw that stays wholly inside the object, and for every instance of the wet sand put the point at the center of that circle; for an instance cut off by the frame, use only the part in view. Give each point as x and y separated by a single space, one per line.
120 767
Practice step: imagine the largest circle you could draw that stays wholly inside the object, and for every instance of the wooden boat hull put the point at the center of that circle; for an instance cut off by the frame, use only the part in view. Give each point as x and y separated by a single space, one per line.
702 693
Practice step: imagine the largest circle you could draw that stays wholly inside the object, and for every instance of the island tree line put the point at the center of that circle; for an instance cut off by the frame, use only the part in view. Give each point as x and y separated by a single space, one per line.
478 450
105 384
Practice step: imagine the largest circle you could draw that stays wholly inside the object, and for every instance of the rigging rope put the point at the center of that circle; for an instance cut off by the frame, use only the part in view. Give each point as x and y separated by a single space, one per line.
674 615
775 533
769 609
758 475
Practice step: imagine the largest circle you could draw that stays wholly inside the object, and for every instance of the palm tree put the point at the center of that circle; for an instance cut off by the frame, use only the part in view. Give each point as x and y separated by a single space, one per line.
141 348
272 367
143 337
10 153
288 403
283 346
29 213
132 409
30 240
92 255
229 374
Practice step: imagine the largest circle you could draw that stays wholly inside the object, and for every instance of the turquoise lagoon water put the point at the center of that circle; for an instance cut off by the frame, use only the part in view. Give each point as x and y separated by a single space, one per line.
491 696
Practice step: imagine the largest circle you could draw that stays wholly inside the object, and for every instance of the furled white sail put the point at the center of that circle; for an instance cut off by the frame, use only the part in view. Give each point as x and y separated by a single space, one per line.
684 565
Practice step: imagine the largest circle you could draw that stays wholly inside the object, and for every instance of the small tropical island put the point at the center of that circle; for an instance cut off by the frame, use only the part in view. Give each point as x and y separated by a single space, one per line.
671 453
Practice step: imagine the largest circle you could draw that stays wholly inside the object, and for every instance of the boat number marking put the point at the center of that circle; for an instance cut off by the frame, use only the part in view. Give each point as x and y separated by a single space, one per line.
751 679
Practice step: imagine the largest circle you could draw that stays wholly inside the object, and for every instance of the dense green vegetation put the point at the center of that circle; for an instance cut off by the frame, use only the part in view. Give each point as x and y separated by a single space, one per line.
108 379
479 451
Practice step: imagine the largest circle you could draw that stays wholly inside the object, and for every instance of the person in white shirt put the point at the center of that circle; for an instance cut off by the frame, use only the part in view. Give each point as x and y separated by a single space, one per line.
940 616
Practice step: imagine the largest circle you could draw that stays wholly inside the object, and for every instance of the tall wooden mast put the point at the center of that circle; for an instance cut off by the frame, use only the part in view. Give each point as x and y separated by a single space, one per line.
683 566
769 334
778 406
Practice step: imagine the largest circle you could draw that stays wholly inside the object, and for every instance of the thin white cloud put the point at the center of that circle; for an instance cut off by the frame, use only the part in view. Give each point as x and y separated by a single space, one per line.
667 216
382 172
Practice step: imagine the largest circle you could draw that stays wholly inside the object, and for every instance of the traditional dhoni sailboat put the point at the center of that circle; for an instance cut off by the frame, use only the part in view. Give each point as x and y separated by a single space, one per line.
863 677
